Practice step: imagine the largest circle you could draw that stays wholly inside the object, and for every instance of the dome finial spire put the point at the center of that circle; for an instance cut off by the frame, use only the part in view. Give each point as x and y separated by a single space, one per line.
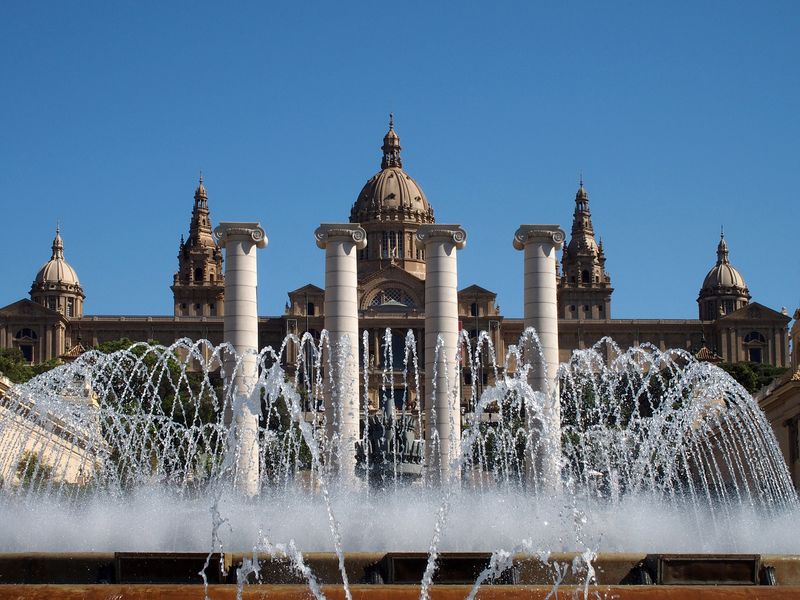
391 120
722 249
58 243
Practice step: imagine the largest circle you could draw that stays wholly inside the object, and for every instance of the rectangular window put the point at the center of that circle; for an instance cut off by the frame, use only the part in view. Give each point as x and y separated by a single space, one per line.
70 307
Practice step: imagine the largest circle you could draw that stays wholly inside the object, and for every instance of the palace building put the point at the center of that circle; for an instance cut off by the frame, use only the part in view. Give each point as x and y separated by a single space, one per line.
391 206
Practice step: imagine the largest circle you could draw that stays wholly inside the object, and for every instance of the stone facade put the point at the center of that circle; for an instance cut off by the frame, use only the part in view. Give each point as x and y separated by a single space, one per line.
391 208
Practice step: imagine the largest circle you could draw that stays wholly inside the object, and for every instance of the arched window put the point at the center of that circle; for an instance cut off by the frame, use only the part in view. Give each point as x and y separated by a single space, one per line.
473 309
26 333
310 309
392 296
198 274
585 277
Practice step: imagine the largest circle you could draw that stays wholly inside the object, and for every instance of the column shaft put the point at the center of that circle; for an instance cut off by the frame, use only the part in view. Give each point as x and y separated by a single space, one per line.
540 243
442 396
240 241
341 243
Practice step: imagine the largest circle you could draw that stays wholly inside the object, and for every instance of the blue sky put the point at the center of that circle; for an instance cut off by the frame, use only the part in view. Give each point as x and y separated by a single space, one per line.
682 116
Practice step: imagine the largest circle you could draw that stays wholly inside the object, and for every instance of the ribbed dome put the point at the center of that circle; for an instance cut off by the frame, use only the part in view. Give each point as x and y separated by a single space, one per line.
391 194
57 270
723 275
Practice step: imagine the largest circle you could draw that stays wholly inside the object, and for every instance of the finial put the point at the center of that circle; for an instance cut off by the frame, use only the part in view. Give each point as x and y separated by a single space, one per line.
391 120
721 232
58 243
581 178
201 176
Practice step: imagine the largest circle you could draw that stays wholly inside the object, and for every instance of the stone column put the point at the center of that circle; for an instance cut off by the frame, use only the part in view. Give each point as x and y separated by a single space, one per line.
540 243
341 242
442 397
240 241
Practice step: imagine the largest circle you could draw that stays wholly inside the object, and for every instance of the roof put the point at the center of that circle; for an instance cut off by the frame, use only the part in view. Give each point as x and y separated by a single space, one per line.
705 354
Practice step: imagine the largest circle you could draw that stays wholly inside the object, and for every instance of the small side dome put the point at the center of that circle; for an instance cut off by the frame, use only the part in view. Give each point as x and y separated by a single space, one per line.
57 270
724 290
723 275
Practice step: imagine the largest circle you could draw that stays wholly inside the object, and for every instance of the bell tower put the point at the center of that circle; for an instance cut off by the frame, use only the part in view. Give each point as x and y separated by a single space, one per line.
198 288
584 290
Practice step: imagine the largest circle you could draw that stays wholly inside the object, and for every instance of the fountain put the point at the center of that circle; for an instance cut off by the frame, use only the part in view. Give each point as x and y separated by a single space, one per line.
219 450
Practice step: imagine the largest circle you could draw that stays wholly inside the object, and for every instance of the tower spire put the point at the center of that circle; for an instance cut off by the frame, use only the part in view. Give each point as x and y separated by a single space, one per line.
200 194
391 147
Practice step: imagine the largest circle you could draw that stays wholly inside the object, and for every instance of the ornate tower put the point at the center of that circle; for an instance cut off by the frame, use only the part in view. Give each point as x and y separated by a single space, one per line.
724 289
390 208
198 287
56 285
584 289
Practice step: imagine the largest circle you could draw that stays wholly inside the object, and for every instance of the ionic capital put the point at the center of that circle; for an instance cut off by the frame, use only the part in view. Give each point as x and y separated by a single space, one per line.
240 231
543 234
341 232
442 233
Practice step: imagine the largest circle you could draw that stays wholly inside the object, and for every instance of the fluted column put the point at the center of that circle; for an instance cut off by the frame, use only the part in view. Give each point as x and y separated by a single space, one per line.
442 397
341 242
540 243
240 241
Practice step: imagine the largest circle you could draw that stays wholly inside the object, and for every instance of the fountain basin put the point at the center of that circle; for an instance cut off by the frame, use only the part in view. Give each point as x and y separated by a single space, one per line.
385 592
181 569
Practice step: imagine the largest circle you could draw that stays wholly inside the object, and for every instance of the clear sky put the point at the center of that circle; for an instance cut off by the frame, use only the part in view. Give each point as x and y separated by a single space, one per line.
682 116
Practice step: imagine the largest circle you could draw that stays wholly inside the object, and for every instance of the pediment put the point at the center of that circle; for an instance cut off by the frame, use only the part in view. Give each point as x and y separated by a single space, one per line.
309 289
28 308
393 284
476 290
756 312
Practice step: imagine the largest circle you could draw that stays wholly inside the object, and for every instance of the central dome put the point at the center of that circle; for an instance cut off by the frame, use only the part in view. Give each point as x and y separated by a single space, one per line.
391 194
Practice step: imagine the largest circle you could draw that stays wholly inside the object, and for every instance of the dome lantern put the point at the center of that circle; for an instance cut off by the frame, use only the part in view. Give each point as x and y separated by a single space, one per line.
391 147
